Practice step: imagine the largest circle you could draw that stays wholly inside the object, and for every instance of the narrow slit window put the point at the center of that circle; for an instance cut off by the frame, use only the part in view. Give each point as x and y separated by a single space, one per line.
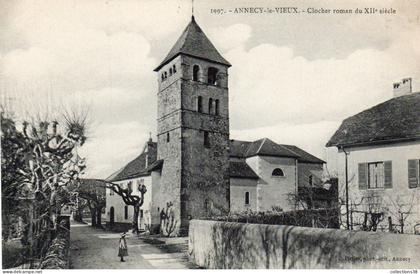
216 110
200 104
168 137
196 71
247 198
210 106
206 139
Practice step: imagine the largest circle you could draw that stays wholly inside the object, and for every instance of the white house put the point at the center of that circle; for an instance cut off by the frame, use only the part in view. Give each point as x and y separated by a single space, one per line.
382 148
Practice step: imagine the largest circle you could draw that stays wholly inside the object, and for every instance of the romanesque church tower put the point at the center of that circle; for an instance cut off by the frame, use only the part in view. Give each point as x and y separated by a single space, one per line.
193 128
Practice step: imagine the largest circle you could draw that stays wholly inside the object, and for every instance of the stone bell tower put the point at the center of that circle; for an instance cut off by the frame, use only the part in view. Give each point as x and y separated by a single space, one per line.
193 128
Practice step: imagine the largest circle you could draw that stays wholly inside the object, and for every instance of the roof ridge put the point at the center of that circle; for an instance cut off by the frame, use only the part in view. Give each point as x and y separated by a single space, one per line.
194 42
262 143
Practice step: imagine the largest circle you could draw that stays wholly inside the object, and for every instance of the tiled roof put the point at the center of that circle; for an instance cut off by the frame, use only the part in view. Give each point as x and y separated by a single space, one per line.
266 147
136 167
195 43
238 148
88 184
241 170
397 119
304 156
155 166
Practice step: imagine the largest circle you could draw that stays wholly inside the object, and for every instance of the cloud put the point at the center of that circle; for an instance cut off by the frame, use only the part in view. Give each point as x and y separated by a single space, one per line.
293 85
226 38
111 146
270 85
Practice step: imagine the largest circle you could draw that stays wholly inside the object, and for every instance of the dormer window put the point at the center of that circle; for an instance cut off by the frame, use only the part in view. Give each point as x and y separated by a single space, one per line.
278 172
196 71
212 76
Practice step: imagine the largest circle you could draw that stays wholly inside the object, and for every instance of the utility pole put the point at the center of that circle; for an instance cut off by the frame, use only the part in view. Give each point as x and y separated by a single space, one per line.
347 188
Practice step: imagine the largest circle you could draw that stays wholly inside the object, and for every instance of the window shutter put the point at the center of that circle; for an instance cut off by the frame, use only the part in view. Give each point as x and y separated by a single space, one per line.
388 174
412 173
362 175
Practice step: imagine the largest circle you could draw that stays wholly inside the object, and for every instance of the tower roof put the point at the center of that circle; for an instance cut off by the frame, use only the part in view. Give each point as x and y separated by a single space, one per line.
195 43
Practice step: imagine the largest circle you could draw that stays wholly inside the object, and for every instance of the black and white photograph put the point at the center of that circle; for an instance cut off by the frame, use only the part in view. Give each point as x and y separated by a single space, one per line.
210 134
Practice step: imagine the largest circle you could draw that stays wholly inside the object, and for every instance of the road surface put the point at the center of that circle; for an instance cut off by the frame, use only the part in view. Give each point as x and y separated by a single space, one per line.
96 248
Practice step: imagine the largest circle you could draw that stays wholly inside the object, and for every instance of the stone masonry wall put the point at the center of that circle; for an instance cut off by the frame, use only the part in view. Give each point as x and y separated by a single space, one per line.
224 245
194 178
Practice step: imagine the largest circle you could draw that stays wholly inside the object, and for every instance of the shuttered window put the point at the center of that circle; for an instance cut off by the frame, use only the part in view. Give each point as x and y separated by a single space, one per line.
388 174
362 175
413 173
375 175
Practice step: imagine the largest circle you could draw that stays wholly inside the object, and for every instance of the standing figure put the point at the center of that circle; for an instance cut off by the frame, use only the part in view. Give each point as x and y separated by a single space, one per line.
122 247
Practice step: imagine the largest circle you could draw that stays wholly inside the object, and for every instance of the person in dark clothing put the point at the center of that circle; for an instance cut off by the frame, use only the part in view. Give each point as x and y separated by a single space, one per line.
122 248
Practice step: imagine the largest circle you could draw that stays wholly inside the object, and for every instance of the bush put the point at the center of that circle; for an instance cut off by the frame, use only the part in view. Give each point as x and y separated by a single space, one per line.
324 218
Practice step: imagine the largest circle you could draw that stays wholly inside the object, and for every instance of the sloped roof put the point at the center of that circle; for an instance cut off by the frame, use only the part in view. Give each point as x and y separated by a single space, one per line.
195 43
304 156
136 167
241 170
238 148
397 119
266 147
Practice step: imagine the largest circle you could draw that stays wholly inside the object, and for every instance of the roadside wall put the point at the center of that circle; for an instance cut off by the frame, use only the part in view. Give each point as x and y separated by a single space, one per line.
224 245
58 256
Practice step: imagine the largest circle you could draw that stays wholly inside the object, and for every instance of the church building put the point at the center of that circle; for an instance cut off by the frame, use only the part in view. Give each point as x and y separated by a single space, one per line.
194 170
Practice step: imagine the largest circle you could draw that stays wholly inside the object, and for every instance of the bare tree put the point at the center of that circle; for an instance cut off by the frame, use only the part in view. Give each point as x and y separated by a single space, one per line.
168 220
131 200
44 161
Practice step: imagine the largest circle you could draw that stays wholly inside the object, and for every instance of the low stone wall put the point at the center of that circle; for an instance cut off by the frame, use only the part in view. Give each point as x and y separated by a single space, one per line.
57 256
224 245
118 227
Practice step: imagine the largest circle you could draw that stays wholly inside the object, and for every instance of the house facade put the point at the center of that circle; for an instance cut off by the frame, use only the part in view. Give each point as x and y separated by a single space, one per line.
194 170
381 146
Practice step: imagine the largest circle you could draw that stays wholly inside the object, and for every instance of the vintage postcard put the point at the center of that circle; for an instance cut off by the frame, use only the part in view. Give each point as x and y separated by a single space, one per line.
198 134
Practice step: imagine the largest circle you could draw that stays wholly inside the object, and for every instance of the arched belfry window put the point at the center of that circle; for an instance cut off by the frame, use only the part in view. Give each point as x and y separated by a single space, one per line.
196 72
278 172
210 106
212 76
200 104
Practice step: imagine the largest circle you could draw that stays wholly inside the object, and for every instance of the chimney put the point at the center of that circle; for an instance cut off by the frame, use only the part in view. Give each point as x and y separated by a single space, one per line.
403 87
150 150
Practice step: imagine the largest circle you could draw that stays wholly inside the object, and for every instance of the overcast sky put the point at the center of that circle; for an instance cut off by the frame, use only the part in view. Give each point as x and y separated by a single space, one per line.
294 78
